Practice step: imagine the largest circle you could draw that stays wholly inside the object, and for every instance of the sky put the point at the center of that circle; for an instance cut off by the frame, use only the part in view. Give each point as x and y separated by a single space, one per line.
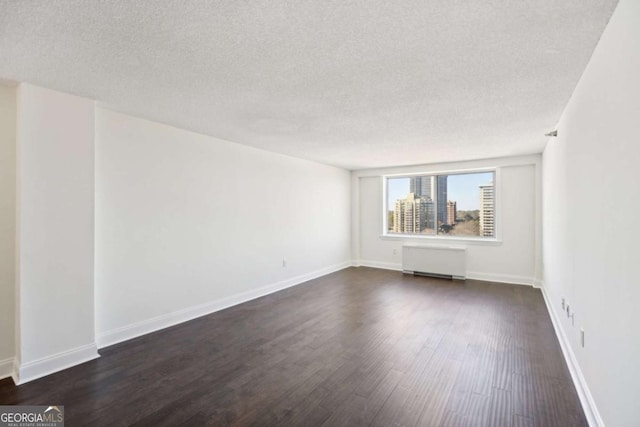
461 188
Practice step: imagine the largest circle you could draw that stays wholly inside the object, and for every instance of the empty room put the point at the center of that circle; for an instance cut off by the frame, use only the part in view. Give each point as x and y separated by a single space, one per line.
319 213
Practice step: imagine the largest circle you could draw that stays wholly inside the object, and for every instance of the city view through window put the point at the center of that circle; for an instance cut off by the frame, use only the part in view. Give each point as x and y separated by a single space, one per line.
461 205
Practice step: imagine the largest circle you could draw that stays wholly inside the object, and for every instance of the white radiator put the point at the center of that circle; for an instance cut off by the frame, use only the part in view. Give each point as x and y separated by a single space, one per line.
441 261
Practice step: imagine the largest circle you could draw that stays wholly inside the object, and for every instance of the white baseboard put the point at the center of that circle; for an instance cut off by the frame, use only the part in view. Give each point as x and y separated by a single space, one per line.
379 264
30 371
501 278
586 398
6 368
488 277
144 327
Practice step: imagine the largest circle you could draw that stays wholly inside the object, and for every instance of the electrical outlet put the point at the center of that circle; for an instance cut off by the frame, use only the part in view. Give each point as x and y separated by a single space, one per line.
395 251
563 303
568 310
284 262
582 337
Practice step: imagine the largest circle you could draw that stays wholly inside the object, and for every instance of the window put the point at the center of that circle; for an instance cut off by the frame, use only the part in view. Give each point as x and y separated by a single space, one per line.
455 204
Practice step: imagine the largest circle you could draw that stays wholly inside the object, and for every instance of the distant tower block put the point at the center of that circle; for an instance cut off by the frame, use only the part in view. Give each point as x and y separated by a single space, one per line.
452 212
487 210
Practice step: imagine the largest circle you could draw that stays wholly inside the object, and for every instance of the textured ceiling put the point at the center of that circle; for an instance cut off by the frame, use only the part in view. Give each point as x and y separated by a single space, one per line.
356 84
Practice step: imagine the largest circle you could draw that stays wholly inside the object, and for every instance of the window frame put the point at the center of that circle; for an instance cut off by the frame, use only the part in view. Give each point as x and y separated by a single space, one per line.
496 239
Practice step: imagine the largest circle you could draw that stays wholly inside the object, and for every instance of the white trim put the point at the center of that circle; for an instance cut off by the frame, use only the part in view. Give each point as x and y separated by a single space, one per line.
497 206
57 362
486 277
440 239
6 368
379 264
501 278
144 327
586 399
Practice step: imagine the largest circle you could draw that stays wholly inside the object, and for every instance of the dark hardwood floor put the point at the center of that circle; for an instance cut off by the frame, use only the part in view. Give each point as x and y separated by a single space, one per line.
356 348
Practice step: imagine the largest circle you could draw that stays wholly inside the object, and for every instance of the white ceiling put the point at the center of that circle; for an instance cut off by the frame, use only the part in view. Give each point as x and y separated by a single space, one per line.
356 84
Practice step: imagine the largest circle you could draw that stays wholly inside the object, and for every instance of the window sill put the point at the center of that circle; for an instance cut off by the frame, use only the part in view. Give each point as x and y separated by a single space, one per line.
443 239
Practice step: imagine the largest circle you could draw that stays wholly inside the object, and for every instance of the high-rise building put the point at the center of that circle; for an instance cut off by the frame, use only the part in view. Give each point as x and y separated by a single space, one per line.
422 186
452 212
441 199
487 210
413 214
433 188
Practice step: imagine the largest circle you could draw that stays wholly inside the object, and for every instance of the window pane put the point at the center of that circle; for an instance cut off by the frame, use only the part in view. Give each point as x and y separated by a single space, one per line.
467 205
410 205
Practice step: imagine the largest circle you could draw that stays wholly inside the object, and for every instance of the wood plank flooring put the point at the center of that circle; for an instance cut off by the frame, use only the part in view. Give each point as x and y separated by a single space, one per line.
360 347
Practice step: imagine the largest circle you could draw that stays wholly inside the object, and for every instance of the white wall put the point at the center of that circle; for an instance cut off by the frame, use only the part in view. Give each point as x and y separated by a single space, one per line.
186 224
55 175
7 226
512 260
591 200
